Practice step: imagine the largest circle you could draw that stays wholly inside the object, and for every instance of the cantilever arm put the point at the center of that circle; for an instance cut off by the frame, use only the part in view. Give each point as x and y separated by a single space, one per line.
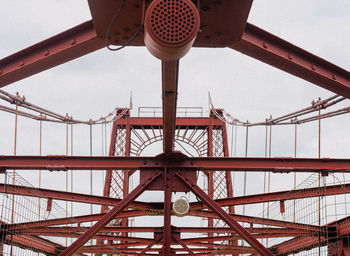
170 73
61 48
283 55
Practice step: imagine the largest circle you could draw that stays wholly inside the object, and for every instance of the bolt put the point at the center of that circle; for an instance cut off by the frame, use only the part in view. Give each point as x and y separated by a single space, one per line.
290 57
313 67
186 179
145 162
47 53
192 163
22 63
73 42
265 45
334 77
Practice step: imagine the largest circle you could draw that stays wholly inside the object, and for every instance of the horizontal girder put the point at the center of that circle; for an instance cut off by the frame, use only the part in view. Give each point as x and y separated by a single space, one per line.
280 165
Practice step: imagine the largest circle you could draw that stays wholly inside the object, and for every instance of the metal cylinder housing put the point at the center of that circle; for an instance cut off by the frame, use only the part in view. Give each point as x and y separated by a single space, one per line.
171 27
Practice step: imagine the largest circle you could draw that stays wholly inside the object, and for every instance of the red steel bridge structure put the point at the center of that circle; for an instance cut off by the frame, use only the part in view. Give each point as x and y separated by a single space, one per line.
169 29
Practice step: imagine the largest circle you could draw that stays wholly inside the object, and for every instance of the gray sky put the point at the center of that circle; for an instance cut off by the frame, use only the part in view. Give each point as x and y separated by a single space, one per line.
95 84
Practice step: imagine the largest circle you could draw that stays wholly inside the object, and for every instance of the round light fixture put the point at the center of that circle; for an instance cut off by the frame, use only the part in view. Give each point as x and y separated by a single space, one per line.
181 207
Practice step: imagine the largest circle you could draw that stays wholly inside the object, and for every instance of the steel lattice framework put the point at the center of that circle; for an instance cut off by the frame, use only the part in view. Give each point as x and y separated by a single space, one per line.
169 29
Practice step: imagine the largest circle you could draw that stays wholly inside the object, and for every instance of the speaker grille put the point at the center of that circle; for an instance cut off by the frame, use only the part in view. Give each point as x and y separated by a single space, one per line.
174 21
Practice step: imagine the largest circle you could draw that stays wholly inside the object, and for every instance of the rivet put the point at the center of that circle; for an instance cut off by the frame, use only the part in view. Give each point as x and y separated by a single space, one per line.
0 71
47 53
144 162
313 67
290 57
334 77
156 163
192 163
73 42
149 178
265 45
22 63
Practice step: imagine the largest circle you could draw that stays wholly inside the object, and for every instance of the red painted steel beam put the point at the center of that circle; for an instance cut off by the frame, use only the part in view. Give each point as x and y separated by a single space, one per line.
282 195
110 247
83 229
61 48
280 165
268 48
299 244
74 247
150 245
342 226
242 232
34 243
181 122
190 252
67 229
66 196
170 73
70 220
167 180
257 220
102 237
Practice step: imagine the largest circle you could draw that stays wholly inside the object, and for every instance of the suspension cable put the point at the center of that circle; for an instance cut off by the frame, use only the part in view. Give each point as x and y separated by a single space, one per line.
269 181
245 172
67 176
91 192
71 172
40 171
14 173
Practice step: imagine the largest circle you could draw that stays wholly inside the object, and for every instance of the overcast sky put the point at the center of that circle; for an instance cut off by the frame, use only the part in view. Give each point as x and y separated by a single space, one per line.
95 84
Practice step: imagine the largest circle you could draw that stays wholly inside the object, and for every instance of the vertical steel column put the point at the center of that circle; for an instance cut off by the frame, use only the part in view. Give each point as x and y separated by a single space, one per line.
229 185
170 73
222 181
210 174
108 179
120 146
167 212
126 172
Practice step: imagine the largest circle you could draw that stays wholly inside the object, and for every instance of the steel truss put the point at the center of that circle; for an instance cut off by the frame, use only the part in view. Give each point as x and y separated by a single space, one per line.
222 25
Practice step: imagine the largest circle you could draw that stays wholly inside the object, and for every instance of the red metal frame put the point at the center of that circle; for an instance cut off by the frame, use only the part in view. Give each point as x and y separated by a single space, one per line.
171 171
